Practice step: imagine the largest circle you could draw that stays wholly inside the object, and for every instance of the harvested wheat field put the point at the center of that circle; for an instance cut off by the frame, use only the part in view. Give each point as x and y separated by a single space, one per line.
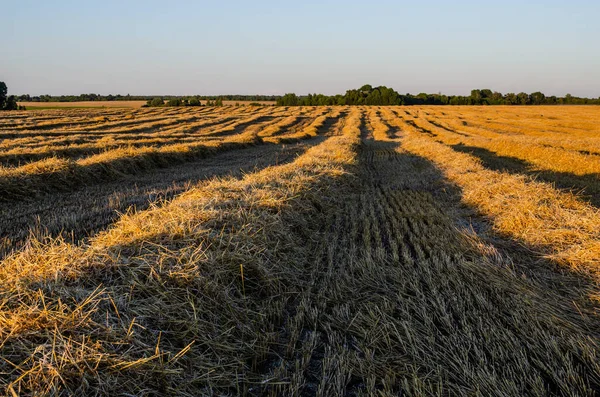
311 251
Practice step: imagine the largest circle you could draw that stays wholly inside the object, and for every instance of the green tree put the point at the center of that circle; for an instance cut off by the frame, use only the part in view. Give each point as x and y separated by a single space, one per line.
353 97
523 98
156 102
486 93
11 103
421 98
289 99
537 98
366 89
568 99
511 98
174 102
476 94
374 98
3 92
389 96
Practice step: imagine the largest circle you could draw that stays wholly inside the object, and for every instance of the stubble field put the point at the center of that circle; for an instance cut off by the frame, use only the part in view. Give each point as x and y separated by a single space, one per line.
300 251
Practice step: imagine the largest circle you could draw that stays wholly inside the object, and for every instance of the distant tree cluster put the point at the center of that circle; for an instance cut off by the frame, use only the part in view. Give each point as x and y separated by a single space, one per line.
216 102
489 97
7 102
367 95
183 101
242 98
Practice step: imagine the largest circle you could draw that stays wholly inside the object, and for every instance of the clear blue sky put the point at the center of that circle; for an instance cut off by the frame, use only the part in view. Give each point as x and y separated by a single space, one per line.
273 47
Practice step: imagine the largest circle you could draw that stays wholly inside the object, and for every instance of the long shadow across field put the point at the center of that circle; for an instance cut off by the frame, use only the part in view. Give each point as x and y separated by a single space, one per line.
395 275
587 187
242 126
422 175
76 215
330 122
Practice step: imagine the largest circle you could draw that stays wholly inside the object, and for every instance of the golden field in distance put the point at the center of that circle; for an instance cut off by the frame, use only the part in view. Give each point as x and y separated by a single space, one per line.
300 251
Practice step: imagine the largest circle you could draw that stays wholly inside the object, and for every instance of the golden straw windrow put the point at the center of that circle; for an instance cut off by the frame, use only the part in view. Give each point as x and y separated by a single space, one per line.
68 167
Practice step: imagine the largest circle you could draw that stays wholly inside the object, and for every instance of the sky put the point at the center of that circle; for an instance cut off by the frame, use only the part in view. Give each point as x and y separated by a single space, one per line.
216 47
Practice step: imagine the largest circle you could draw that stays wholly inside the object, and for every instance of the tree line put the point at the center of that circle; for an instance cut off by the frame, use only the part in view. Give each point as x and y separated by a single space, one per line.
185 101
368 95
189 101
110 97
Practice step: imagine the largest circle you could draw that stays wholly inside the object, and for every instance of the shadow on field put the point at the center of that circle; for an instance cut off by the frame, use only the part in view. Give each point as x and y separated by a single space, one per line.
439 125
330 122
76 215
393 131
238 129
405 279
587 187
419 174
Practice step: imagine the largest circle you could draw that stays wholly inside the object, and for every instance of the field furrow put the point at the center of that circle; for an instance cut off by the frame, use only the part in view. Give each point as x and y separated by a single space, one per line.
64 174
571 171
79 214
78 145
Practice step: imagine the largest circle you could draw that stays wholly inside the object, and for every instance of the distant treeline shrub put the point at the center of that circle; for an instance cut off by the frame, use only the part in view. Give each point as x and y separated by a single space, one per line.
185 101
175 102
216 102
110 97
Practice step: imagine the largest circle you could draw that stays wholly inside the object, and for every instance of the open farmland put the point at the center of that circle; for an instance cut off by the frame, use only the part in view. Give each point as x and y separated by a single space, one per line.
300 251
